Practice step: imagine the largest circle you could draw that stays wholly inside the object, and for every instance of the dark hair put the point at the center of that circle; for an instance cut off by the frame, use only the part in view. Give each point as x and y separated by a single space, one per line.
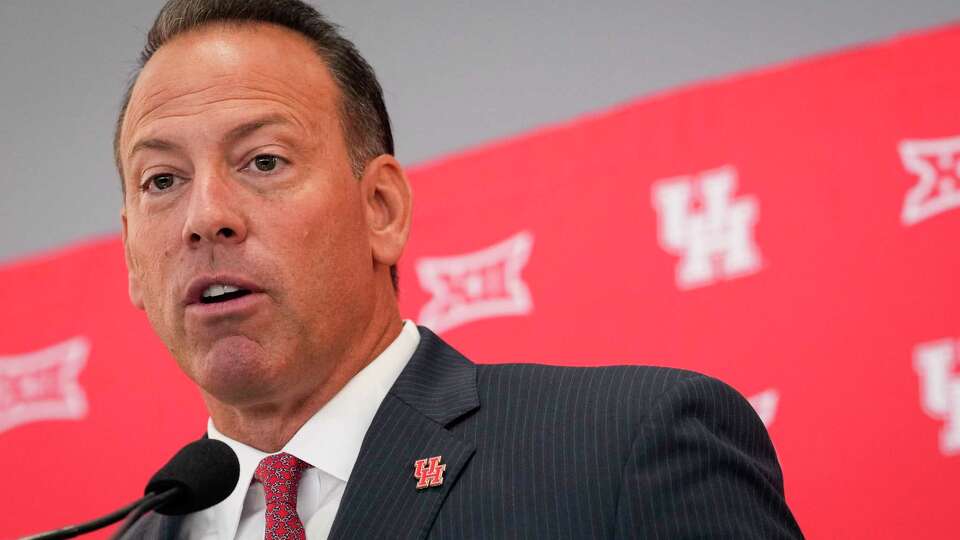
363 114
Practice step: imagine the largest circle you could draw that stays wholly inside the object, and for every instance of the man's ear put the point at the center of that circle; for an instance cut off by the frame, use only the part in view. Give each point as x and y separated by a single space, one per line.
388 203
133 278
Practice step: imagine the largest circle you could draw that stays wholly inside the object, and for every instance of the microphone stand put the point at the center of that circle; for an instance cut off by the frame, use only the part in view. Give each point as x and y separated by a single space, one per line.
154 500
134 510
199 476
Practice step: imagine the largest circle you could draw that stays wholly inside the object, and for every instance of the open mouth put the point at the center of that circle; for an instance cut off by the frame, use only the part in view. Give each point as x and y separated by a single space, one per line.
215 294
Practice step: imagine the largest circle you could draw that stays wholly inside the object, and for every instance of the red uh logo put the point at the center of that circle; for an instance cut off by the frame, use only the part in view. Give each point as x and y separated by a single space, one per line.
428 472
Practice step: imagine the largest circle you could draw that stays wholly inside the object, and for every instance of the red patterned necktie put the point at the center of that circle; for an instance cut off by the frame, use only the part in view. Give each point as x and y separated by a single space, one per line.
280 476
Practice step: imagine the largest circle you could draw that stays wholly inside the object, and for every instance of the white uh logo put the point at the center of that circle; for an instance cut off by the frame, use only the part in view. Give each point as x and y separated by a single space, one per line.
940 388
715 240
936 162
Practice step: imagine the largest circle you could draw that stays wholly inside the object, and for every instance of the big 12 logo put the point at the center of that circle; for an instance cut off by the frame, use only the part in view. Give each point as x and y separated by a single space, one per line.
936 164
477 285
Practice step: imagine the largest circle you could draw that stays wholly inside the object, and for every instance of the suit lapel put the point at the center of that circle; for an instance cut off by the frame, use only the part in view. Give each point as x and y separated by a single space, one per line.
381 499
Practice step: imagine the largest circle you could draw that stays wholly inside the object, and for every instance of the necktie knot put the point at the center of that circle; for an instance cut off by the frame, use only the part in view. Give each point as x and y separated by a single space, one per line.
280 476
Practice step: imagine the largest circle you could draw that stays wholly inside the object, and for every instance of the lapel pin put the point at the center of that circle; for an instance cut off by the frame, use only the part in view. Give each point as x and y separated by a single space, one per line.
429 472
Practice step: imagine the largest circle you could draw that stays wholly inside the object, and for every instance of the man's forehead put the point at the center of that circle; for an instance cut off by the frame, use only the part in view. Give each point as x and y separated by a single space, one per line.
220 39
223 63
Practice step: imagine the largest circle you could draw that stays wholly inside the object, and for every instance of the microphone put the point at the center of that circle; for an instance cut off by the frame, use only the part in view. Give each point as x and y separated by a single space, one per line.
200 475
205 473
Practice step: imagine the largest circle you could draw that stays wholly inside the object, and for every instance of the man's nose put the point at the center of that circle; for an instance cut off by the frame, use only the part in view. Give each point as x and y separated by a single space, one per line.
214 213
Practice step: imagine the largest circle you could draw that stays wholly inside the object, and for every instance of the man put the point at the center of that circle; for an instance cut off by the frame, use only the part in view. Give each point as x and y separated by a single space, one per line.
263 217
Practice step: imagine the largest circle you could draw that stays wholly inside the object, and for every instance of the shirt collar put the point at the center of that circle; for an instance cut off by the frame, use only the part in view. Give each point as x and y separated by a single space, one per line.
330 440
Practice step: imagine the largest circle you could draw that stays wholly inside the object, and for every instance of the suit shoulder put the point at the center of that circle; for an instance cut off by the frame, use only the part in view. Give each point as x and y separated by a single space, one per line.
633 374
617 385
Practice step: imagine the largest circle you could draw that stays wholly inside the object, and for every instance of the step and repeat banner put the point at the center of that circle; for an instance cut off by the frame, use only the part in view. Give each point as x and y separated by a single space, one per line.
792 231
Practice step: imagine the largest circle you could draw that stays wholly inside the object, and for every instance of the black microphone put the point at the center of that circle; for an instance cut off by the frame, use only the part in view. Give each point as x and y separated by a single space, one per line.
200 475
205 473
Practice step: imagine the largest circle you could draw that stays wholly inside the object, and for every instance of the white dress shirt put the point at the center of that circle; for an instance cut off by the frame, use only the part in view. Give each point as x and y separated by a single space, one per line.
329 441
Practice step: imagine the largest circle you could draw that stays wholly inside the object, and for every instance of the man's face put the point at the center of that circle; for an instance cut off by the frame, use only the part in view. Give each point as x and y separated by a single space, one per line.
244 227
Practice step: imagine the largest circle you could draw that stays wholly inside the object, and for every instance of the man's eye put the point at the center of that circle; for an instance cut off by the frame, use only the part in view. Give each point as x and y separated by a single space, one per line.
161 182
266 162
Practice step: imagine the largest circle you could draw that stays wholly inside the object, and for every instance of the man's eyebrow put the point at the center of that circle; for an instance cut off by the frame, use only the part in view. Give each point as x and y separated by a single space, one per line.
152 144
233 135
247 128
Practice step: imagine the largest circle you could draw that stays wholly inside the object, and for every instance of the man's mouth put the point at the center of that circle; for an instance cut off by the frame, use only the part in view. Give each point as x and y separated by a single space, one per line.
222 292
225 289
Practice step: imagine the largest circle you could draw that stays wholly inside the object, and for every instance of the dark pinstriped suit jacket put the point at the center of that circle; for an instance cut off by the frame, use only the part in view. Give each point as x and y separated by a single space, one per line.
549 452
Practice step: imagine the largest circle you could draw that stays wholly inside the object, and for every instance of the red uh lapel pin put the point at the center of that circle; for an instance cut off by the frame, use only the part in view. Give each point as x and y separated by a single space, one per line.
429 472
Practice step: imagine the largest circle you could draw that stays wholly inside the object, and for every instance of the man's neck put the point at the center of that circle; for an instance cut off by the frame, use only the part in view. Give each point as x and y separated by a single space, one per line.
269 426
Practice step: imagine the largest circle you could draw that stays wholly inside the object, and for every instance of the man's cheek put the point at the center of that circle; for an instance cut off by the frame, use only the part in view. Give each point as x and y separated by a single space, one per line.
155 303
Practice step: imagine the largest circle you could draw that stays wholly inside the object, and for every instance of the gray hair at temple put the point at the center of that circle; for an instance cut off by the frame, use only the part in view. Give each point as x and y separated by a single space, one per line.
363 114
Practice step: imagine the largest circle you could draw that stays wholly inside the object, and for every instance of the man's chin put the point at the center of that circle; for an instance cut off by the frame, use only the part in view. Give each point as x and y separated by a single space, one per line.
235 370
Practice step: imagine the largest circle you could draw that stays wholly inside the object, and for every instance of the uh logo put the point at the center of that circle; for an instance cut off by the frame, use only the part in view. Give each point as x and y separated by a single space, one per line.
711 232
935 363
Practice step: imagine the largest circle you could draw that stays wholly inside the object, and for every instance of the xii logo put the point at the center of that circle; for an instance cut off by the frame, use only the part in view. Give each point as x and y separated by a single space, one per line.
936 363
711 232
478 285
936 163
428 472
43 385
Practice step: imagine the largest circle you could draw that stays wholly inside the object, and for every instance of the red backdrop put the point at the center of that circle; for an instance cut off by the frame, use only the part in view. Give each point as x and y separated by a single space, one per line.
791 231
